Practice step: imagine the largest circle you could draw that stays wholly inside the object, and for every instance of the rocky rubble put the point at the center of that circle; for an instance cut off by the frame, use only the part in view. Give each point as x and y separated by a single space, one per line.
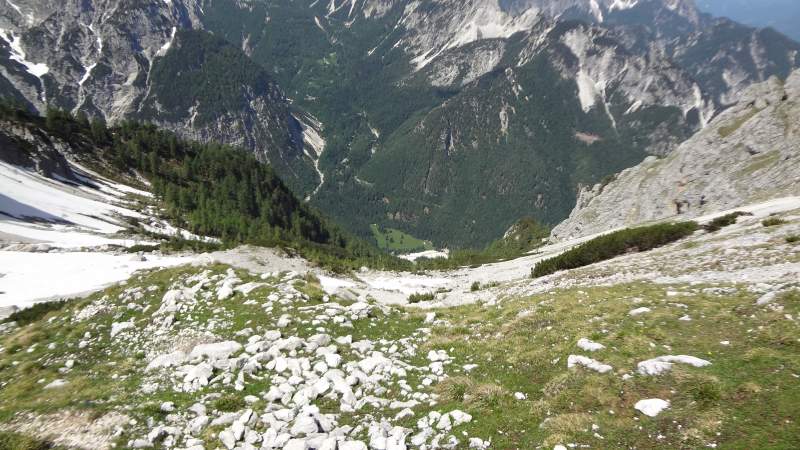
305 382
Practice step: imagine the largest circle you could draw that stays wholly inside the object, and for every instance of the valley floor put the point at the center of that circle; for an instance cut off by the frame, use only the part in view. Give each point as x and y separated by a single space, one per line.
691 345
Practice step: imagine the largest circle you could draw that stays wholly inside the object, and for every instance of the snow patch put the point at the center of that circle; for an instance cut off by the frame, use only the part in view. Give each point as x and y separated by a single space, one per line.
589 363
651 407
18 54
69 274
622 5
165 48
662 364
406 285
589 346
29 195
430 254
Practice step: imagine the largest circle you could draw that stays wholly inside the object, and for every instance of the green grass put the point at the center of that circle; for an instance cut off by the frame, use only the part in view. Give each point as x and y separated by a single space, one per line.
760 162
397 241
737 123
108 374
748 397
793 239
17 441
614 244
229 403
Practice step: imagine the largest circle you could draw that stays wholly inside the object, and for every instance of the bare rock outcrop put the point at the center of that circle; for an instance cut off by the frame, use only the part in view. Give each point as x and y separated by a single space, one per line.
750 153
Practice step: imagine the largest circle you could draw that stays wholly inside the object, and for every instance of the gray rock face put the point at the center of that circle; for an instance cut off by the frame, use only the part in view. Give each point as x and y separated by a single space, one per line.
103 58
458 41
748 154
30 148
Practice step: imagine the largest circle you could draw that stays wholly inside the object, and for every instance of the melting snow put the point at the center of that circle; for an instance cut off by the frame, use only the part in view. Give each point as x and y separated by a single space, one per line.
657 366
406 284
28 195
28 277
589 363
652 406
430 254
589 346
18 54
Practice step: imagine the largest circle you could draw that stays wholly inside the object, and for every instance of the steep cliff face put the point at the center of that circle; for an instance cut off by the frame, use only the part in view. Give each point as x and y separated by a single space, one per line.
94 56
152 61
747 154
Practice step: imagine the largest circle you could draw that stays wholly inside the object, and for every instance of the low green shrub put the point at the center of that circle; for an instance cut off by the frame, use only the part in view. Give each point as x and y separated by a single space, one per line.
772 222
724 221
614 244
34 313
421 297
706 393
229 403
476 286
142 248
793 239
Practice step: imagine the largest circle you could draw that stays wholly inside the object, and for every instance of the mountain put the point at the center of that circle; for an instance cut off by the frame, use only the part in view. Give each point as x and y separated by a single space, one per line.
150 61
114 186
782 15
451 120
747 154
447 120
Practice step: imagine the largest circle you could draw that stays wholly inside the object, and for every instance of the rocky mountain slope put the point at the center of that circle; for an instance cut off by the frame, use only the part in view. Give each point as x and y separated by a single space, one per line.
690 345
425 117
748 153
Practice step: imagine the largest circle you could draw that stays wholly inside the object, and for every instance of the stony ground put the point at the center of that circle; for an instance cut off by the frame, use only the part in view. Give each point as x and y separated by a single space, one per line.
693 345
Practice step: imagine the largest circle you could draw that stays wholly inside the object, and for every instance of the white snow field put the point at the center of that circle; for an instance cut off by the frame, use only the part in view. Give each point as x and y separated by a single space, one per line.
57 218
31 277
44 210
